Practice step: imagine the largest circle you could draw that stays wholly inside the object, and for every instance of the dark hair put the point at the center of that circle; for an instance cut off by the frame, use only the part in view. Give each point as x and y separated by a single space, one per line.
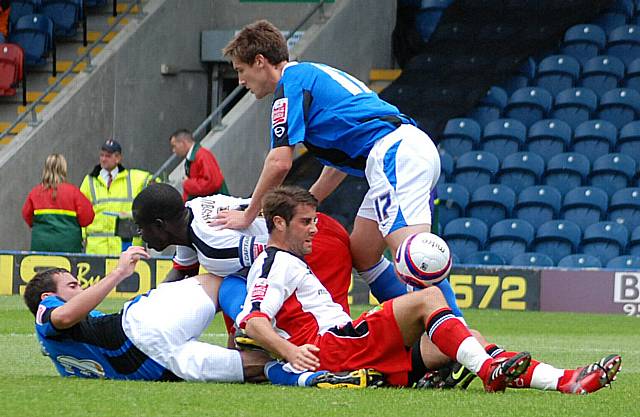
157 201
42 282
182 134
260 37
282 201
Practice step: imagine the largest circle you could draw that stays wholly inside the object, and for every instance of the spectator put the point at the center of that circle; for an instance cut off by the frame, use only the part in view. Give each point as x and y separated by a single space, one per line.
56 210
5 11
203 175
111 189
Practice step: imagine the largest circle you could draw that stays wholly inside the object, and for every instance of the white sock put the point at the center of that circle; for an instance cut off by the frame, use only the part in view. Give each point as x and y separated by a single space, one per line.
371 274
471 354
546 377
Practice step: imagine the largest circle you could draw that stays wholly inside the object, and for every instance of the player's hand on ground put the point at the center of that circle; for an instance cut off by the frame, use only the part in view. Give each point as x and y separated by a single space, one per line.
230 219
129 259
304 357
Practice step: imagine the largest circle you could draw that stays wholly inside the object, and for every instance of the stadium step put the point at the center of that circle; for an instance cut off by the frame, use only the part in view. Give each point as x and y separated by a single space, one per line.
379 79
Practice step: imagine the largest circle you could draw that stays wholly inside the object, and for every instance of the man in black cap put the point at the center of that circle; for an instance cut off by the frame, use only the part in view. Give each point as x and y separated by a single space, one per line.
111 189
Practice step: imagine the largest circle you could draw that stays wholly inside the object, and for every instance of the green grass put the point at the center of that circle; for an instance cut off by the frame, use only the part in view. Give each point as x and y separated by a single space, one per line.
29 385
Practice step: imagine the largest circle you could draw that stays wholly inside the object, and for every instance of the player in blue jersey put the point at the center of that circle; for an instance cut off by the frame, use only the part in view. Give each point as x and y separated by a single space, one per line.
352 132
153 338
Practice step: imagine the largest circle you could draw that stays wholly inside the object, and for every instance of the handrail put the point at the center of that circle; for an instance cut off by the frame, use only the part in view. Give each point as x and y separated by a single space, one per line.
236 91
31 109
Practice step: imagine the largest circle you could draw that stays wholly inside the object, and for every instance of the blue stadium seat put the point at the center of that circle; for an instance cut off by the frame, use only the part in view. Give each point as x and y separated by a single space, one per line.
528 104
624 43
429 15
557 239
533 259
485 258
583 42
602 73
629 140
503 137
566 171
548 137
632 77
465 236
34 34
452 202
459 136
625 207
475 169
557 73
580 260
575 106
490 106
521 170
510 237
594 138
585 206
619 106
65 14
446 167
605 240
615 15
491 203
538 204
628 262
634 243
21 8
523 76
612 172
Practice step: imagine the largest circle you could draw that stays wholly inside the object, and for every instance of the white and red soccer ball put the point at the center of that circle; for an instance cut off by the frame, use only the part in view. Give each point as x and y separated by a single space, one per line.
423 259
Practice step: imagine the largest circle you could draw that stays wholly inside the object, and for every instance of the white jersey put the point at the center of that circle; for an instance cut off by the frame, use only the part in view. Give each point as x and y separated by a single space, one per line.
283 289
220 251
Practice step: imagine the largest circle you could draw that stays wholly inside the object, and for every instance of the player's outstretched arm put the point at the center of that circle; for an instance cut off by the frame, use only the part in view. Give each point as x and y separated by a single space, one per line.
77 308
327 182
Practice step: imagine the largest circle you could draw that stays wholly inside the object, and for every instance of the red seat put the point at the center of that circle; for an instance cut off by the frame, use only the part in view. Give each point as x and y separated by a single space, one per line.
11 68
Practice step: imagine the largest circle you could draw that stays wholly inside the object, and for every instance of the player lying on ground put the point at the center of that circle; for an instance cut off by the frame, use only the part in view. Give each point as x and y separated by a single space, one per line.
312 332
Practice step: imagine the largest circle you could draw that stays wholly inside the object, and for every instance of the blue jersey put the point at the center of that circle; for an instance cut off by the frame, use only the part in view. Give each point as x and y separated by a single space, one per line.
96 347
335 115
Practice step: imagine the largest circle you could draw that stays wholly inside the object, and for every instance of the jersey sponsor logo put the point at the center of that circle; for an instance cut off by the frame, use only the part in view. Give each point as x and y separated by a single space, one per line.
40 313
279 111
259 290
85 367
279 131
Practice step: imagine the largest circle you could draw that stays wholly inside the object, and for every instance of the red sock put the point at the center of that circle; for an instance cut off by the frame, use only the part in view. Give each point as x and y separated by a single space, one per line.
566 377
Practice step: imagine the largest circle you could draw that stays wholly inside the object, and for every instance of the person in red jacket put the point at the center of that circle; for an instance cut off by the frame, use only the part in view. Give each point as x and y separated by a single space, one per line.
203 174
56 210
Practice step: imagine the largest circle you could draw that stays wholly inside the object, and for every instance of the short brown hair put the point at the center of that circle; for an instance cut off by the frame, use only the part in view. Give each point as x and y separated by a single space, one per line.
42 282
260 37
282 201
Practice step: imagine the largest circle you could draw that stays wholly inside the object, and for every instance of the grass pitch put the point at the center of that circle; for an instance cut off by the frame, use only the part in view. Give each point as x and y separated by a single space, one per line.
30 386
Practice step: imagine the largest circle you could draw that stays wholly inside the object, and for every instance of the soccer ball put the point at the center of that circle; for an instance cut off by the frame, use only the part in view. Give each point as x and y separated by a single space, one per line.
423 259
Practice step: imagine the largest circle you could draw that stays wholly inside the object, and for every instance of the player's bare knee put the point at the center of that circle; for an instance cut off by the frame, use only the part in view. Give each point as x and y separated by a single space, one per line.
433 299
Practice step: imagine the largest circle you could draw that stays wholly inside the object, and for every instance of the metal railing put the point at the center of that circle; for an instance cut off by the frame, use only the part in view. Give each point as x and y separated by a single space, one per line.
204 127
86 56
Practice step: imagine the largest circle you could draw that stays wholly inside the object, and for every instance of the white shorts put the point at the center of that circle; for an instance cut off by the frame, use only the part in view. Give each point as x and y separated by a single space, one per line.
402 169
166 323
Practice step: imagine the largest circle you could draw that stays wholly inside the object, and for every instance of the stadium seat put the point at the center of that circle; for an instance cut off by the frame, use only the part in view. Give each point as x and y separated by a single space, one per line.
528 104
625 207
624 43
452 202
538 204
619 106
566 171
533 259
521 170
429 15
594 138
485 258
490 106
583 42
556 73
557 239
605 240
615 15
65 14
459 136
548 137
575 106
522 77
629 262
12 70
475 169
634 242
580 260
491 203
632 77
21 8
612 172
446 166
510 237
602 73
584 206
503 137
465 236
34 34
629 140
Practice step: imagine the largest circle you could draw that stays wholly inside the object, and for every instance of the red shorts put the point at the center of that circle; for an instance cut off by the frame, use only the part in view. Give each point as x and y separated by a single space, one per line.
373 340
